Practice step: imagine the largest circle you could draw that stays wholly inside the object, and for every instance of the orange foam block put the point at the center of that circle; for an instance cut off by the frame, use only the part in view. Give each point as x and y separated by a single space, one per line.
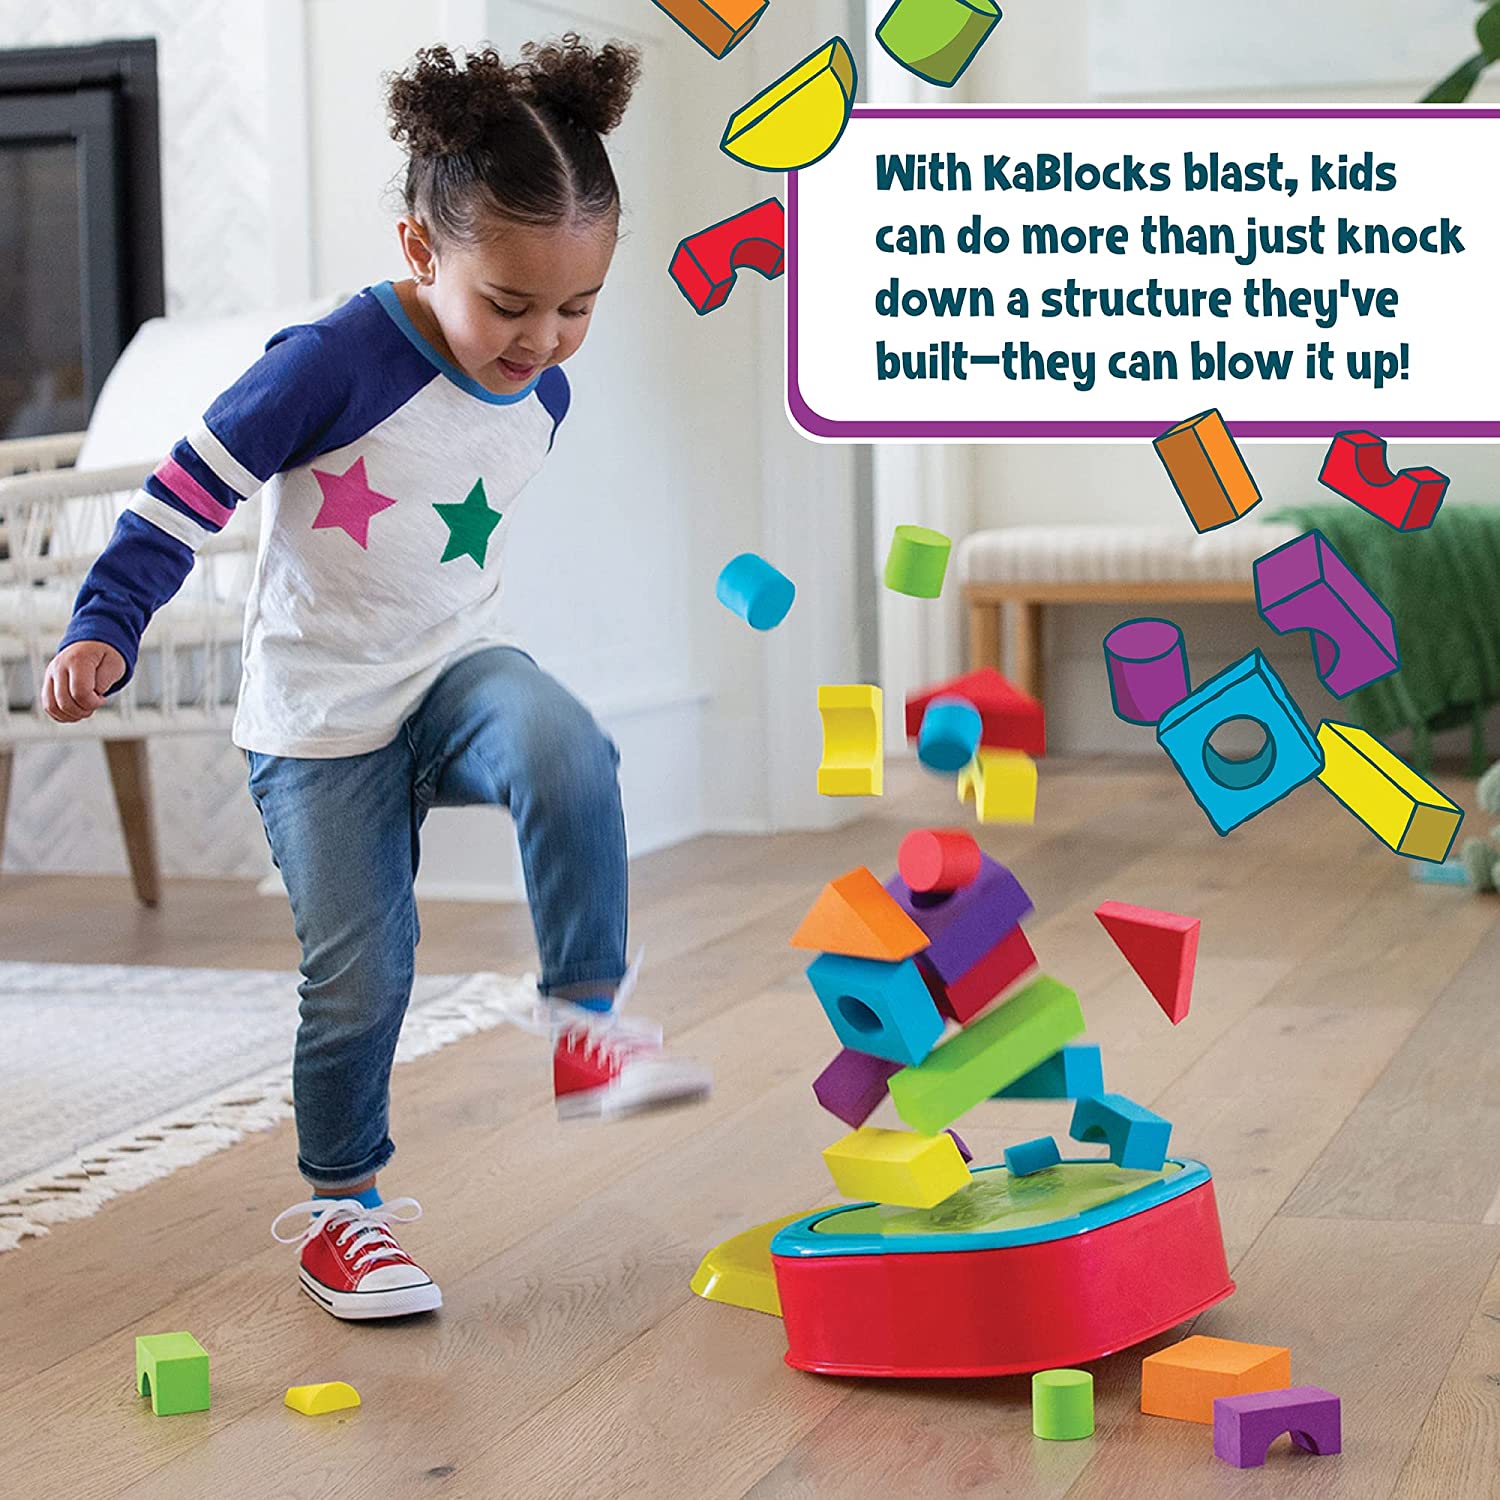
855 915
1185 1380
1207 470
1162 948
715 24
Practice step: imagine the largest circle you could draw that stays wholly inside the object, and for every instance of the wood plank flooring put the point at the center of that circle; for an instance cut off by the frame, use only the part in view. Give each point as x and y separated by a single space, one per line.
1340 1072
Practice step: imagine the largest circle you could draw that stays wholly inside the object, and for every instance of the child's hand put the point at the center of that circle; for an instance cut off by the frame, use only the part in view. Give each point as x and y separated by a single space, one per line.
77 678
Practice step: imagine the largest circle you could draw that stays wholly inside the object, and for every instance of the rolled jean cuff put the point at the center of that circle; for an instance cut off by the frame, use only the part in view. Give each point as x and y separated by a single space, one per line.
604 976
328 1181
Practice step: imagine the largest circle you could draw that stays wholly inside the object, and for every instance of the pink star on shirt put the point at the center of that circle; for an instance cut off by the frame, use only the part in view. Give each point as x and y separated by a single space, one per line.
349 502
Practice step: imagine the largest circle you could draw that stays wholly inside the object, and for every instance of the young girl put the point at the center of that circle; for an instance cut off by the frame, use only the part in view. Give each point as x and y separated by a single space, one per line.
393 438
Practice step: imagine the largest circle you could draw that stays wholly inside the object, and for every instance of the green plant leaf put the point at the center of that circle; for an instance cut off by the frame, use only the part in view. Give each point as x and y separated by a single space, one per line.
1455 88
1487 29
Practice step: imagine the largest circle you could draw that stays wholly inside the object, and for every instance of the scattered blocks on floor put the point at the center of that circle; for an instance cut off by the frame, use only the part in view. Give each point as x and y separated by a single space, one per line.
740 1272
1032 1156
875 1007
172 1369
1162 948
855 915
1062 1404
1356 468
797 120
716 25
1137 1137
1405 812
853 741
1002 786
935 861
1148 669
917 562
758 593
1070 1073
853 1084
1011 719
995 1050
1185 1380
949 735
1207 470
1233 791
961 926
1246 1426
895 1166
1009 960
328 1395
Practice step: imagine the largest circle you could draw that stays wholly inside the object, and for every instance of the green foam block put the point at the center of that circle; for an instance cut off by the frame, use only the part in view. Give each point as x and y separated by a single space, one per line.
172 1368
987 1054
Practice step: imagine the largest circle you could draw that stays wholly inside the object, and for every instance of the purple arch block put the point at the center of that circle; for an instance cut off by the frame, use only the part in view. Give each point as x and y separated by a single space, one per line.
1148 669
1246 1426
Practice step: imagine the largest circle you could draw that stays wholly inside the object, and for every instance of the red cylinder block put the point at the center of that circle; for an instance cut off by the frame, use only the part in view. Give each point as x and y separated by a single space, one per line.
938 859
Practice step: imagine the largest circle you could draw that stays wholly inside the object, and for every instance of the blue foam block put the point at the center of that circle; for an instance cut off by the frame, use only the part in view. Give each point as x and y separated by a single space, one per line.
1032 1156
758 593
884 1009
1072 1073
1137 1137
949 736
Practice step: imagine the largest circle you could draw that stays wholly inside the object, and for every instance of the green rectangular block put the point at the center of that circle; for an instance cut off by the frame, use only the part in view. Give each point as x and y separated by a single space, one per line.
986 1055
172 1368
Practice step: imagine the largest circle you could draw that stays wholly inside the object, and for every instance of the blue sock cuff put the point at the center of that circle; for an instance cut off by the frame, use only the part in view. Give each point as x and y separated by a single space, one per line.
596 1002
370 1198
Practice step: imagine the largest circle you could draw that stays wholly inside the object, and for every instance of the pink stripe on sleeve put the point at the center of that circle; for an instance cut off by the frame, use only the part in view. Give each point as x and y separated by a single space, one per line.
191 493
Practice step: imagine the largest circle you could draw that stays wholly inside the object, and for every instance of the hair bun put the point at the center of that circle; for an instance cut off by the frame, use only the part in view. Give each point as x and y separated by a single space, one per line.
438 109
571 80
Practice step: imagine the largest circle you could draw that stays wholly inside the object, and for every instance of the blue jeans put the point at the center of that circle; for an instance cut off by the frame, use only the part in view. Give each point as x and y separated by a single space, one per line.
494 728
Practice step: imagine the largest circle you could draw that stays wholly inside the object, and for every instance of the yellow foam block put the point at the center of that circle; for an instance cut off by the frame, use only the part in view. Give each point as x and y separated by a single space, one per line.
1002 786
314 1400
853 741
1185 1380
1402 810
897 1166
740 1271
800 117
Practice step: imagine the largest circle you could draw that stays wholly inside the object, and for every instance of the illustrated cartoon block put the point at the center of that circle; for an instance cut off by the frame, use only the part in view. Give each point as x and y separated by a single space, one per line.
1070 1073
1002 786
995 1050
962 925
1032 1156
917 562
875 1007
1010 719
172 1369
1062 1404
1233 791
1185 1380
1246 1426
797 120
895 1166
935 860
315 1400
1000 968
1207 470
717 25
853 1084
949 735
705 265
740 1272
1137 1137
855 915
1162 948
853 741
1356 468
1405 812
758 593
937 39
1148 669
1306 585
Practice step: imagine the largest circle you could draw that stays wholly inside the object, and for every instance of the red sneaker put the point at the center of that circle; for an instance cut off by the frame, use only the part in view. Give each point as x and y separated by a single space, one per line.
351 1264
605 1070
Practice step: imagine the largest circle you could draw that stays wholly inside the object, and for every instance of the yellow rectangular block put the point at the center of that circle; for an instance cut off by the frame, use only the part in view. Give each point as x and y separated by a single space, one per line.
1184 1381
853 740
1002 786
895 1166
1402 810
1207 470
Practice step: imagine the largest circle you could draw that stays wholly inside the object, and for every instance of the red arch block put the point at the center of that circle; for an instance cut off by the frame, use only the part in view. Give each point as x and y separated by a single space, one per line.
1356 468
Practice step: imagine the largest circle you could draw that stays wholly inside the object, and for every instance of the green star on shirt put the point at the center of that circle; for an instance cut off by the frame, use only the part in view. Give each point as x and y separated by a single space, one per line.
469 525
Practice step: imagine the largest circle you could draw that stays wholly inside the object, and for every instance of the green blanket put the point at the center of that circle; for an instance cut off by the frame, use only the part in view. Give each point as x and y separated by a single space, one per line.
1442 587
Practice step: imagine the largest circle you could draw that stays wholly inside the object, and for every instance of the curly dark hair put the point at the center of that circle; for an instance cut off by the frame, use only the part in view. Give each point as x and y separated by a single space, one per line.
519 142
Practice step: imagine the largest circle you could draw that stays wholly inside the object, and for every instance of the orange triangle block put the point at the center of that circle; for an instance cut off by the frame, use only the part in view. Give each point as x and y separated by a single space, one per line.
1162 948
855 915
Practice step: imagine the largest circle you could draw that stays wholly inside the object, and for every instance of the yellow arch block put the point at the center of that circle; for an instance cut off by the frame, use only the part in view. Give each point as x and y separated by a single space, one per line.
314 1400
853 741
1402 810
897 1166
1002 786
800 118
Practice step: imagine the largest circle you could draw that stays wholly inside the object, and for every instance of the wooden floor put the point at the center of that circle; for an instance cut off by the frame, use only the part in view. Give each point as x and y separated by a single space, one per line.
1340 1073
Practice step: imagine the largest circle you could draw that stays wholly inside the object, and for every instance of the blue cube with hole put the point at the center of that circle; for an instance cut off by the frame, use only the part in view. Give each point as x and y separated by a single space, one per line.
1231 791
1137 1136
881 1008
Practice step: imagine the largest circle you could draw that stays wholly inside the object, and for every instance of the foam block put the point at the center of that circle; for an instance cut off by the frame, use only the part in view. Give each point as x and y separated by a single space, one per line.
1071 1073
876 1007
1184 1381
995 1050
1032 1156
1162 948
958 1141
1002 786
1405 812
853 741
855 915
938 859
797 120
1246 1426
853 1084
1001 967
716 25
1356 468
962 926
326 1396
949 735
1137 1136
895 1166
1010 719
917 562
1207 470
1062 1404
758 593
172 1369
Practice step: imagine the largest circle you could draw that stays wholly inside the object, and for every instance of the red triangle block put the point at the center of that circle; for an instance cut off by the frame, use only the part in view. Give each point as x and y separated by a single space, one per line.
1009 718
1162 948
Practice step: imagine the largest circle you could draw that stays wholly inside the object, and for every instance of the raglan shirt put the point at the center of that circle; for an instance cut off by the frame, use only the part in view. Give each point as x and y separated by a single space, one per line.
389 476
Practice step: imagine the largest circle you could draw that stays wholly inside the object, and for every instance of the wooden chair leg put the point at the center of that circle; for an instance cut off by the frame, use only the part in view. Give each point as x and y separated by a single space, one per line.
128 772
984 636
1029 672
7 763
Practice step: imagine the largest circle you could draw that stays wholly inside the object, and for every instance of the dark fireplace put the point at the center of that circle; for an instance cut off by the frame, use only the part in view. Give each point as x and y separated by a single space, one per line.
80 224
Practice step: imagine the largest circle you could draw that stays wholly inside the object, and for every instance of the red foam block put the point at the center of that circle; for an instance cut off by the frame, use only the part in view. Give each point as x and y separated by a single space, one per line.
1009 718
1162 948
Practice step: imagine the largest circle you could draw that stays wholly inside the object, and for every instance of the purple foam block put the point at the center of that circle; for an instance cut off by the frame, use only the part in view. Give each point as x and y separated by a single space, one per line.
1148 670
963 1150
1246 1426
963 925
852 1085
1306 585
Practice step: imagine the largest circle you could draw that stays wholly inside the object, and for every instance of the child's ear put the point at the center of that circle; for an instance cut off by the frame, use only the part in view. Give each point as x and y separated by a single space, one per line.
415 247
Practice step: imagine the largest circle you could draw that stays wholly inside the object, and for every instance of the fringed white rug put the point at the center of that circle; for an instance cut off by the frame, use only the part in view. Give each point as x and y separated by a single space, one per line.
115 1075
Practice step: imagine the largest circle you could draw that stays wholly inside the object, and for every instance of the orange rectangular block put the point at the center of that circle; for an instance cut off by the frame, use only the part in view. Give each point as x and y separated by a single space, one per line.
1207 470
855 915
715 24
1184 1381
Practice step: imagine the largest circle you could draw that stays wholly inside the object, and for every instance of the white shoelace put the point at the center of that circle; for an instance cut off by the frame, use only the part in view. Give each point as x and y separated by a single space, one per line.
367 1232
